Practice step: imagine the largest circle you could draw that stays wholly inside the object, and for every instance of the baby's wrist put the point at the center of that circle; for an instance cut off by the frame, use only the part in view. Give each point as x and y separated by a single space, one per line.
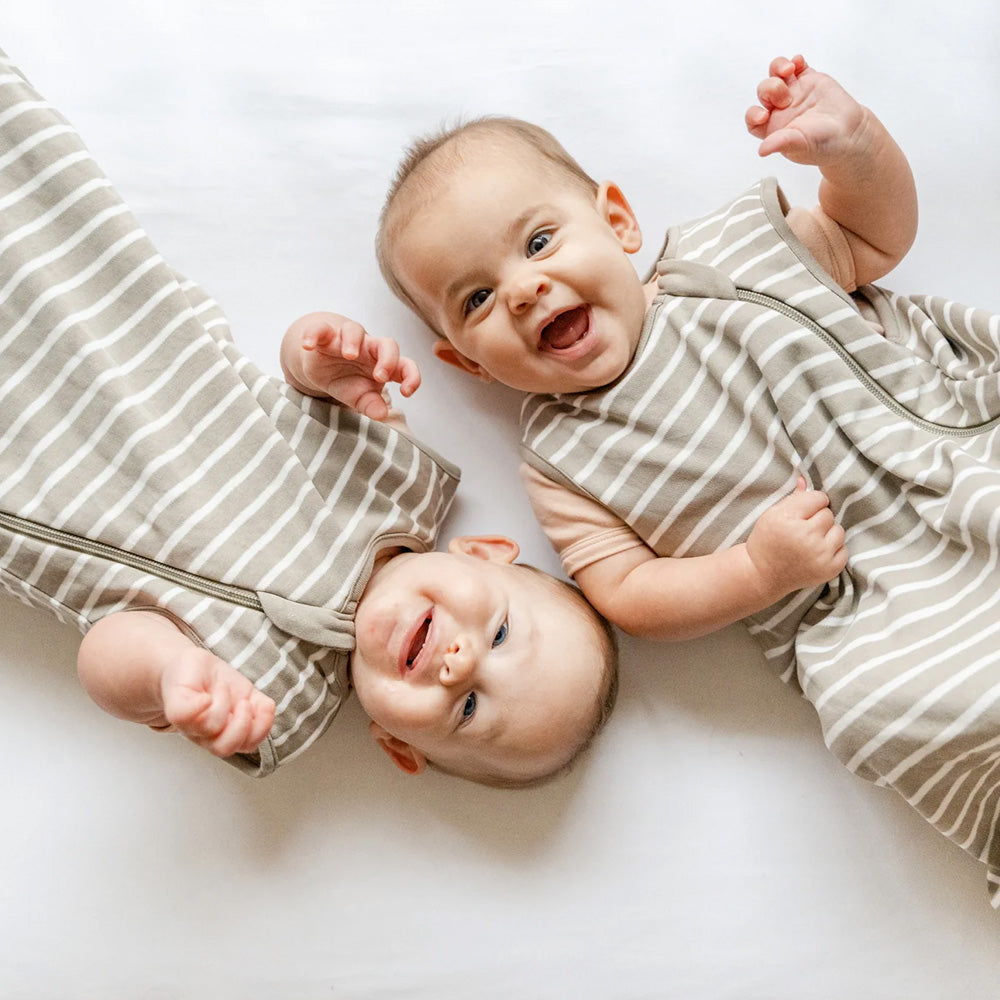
762 579
857 152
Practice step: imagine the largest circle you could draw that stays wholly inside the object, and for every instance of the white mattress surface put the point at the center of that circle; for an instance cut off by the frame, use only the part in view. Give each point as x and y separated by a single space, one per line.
709 847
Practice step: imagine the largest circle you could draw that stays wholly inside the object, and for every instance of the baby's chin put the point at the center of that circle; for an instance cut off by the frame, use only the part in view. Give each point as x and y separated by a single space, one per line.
600 373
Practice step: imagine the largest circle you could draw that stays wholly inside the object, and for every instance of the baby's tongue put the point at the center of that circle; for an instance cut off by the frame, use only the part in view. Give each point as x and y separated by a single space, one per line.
566 329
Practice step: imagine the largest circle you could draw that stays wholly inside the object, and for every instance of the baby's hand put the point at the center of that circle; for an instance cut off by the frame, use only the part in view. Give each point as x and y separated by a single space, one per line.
213 704
796 544
324 354
804 115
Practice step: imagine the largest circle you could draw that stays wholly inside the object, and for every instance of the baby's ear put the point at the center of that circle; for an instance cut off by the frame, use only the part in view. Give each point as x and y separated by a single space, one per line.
405 757
450 355
617 212
492 548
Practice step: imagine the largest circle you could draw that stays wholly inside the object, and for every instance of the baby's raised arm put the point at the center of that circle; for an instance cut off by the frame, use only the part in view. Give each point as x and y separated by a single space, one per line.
794 545
328 355
139 666
867 187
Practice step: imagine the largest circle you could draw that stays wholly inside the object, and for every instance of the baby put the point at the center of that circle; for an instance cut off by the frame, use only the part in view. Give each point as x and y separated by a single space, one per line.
239 551
552 322
674 425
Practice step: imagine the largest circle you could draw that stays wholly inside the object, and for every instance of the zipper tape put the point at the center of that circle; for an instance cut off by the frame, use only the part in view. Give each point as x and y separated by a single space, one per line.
88 546
887 399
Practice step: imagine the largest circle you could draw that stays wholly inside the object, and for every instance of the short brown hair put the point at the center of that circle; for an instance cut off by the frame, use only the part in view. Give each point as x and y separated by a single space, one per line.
430 157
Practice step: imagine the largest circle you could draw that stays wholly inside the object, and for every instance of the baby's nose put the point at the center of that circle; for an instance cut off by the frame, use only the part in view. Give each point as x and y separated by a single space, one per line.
527 289
458 662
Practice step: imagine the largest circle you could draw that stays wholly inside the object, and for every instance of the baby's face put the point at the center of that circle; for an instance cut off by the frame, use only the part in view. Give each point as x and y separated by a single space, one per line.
474 663
525 272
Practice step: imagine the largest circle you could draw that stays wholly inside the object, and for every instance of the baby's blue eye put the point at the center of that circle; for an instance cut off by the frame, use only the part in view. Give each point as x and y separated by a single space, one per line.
501 637
469 708
538 242
476 299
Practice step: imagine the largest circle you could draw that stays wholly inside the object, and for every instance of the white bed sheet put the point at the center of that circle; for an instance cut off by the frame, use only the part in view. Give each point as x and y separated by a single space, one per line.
709 847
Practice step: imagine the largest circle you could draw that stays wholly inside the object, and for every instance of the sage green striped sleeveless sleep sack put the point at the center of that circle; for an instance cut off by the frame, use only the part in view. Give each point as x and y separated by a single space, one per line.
145 463
753 367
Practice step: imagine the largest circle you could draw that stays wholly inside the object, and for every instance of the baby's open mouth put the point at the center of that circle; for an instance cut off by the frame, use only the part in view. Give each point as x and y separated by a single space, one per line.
566 330
417 643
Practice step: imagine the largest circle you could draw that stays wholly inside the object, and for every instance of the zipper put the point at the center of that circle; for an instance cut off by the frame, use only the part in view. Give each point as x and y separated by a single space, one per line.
888 400
87 546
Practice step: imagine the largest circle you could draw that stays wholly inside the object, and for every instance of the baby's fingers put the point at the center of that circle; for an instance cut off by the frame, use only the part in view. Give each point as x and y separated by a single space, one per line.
756 119
805 503
185 706
836 538
790 142
409 380
226 741
240 730
385 353
786 68
837 532
829 547
248 723
837 562
774 93
372 404
262 710
316 335
351 339
391 366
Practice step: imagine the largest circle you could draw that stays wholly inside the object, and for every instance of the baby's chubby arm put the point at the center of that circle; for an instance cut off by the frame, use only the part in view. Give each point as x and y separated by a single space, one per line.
794 545
867 187
139 666
328 355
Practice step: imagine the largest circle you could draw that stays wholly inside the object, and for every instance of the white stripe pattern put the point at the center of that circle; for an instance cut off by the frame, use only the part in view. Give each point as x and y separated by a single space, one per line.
129 418
729 399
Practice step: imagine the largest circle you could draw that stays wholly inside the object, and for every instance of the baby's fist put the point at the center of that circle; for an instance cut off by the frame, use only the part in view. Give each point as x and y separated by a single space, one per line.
797 544
214 705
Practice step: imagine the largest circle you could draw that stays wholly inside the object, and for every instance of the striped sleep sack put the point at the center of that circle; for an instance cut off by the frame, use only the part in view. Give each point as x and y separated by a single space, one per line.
753 367
145 463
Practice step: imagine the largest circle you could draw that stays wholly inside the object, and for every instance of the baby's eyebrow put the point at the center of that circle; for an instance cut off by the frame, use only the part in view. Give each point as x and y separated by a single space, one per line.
455 286
518 223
